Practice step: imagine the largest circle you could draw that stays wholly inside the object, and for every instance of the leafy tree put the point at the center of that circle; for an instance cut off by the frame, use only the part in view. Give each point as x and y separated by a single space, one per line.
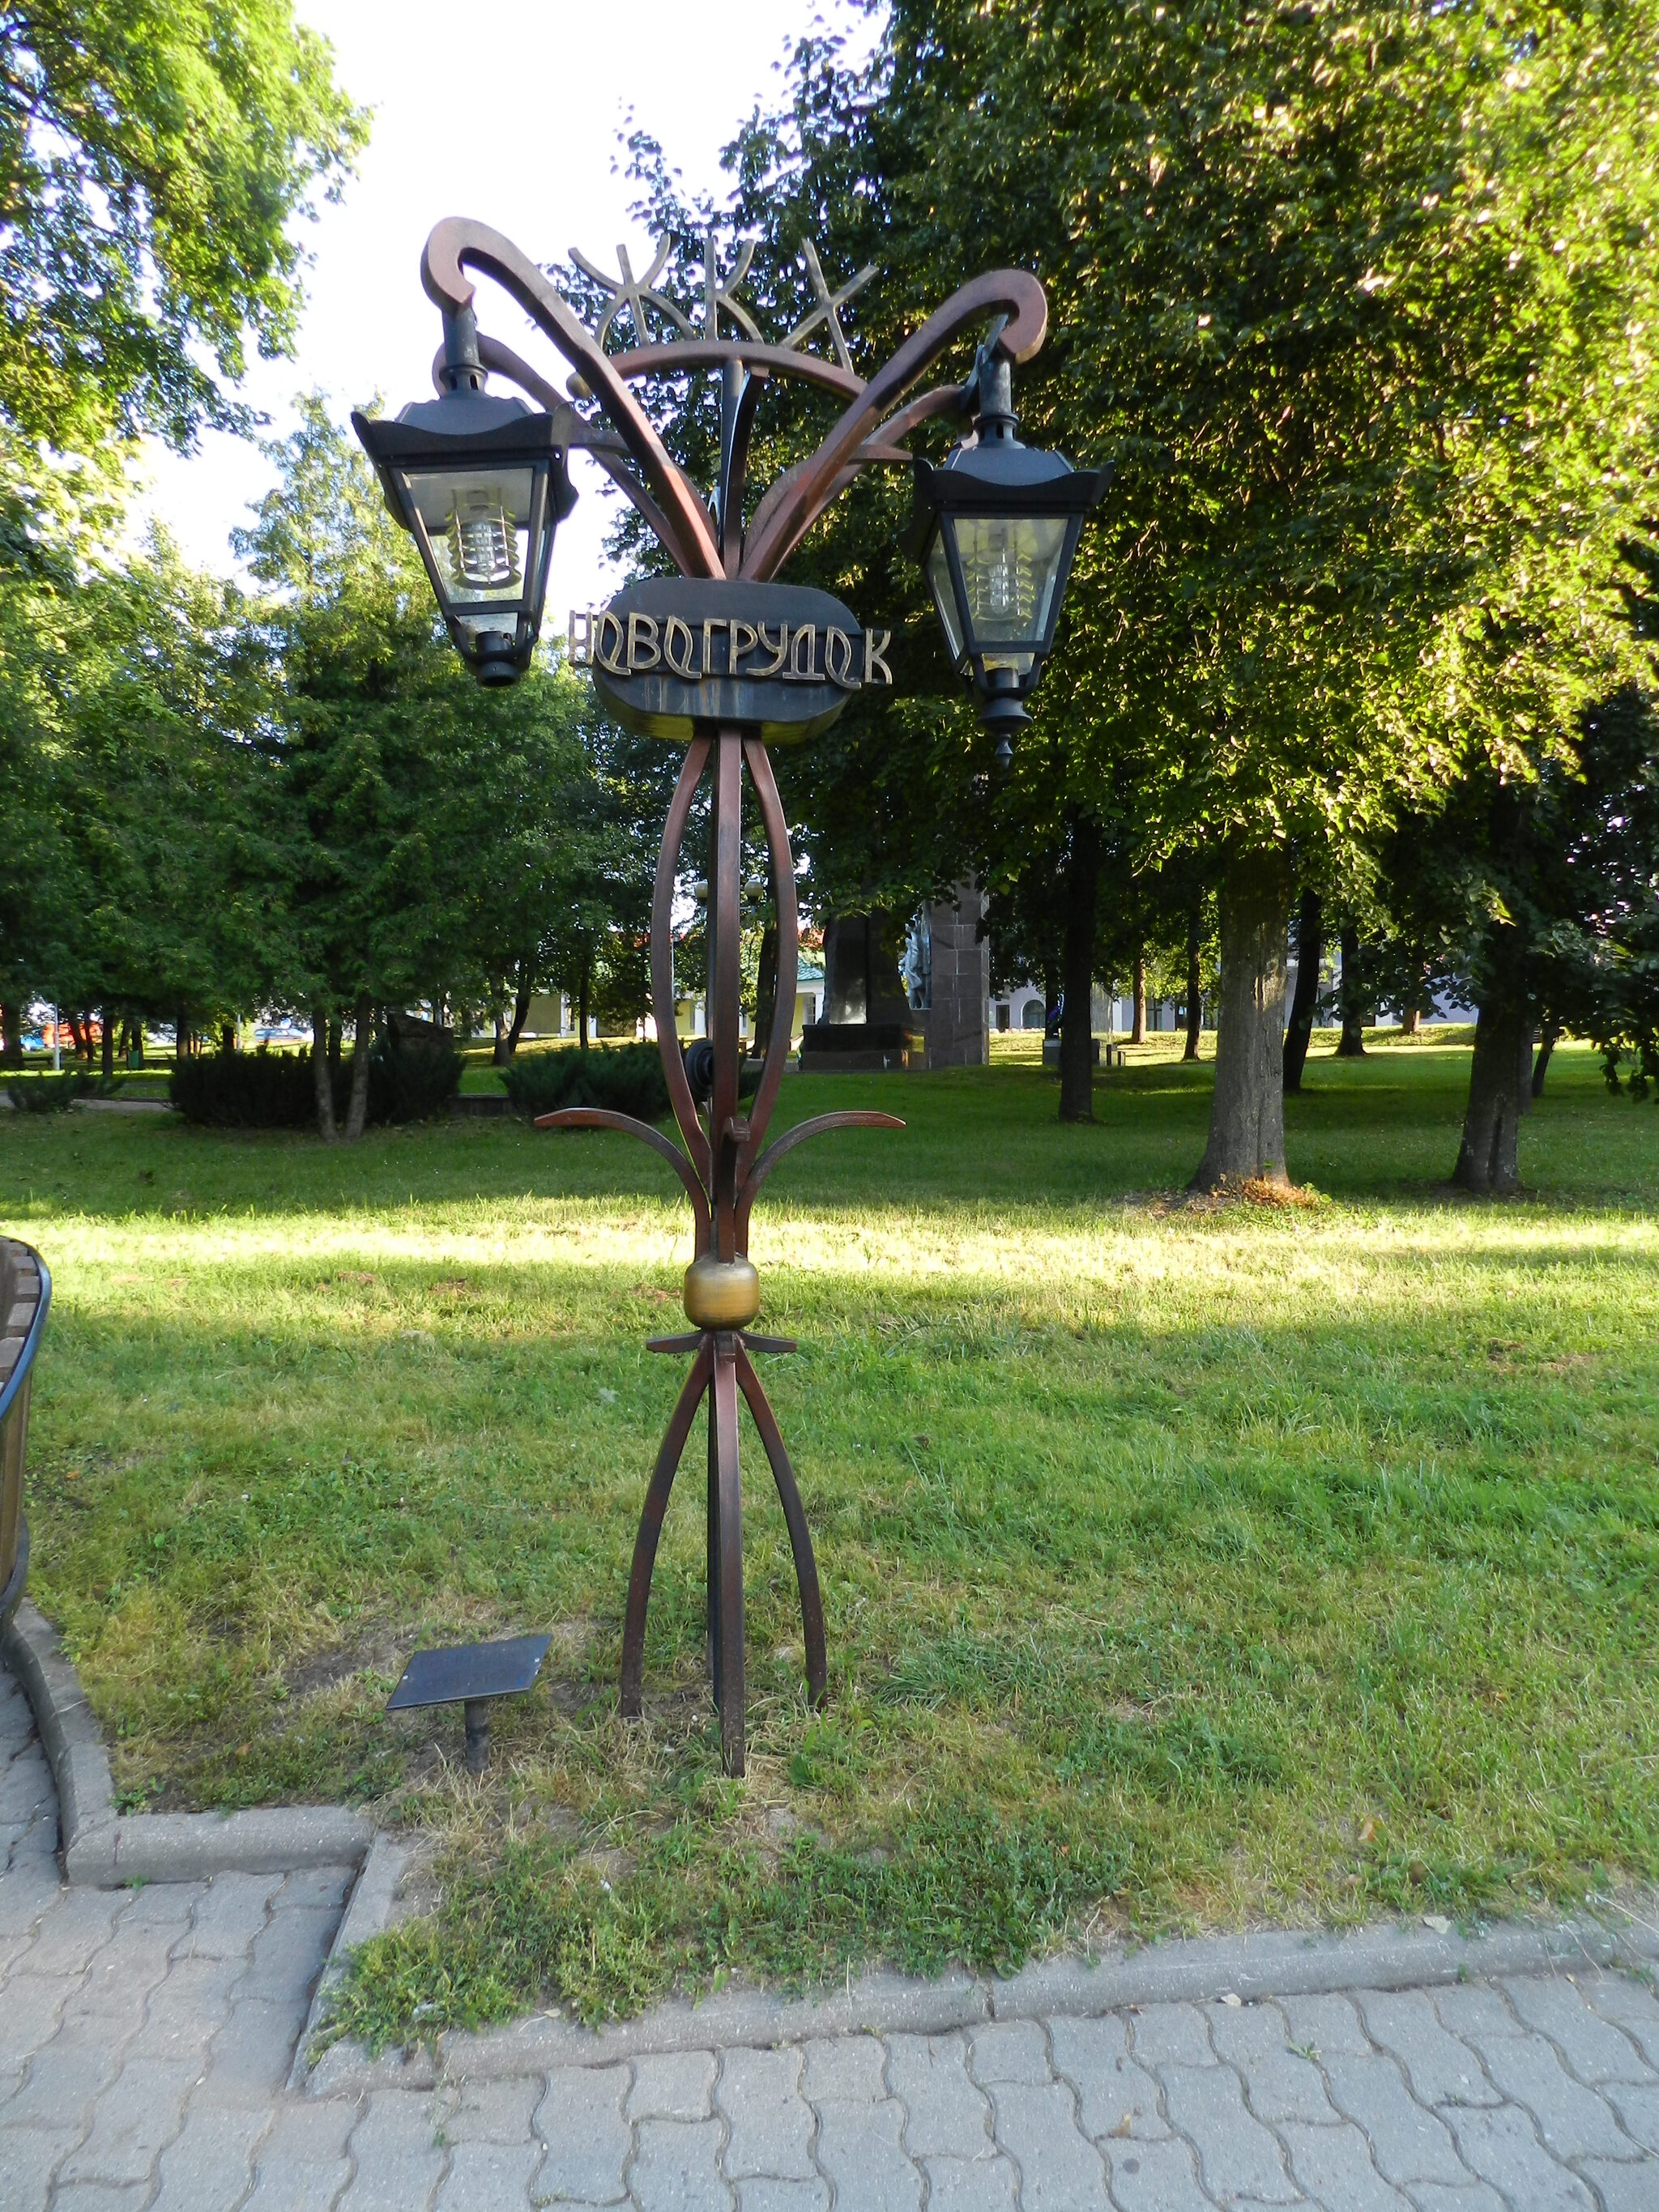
599 928
48 534
1535 889
891 806
1353 299
152 159
377 750
164 800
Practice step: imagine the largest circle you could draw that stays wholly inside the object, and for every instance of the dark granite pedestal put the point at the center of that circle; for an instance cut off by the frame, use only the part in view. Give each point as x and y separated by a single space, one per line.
859 1048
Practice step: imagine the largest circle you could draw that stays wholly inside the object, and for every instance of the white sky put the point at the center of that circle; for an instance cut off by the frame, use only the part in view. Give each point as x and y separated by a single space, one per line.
509 113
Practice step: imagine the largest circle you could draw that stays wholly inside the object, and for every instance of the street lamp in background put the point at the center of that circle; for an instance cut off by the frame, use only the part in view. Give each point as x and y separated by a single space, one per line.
726 661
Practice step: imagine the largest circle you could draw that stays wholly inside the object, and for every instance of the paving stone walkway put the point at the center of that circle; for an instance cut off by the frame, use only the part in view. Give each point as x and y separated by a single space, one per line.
146 2038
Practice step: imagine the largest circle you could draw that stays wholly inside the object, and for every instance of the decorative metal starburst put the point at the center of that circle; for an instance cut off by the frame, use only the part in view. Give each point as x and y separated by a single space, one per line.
637 298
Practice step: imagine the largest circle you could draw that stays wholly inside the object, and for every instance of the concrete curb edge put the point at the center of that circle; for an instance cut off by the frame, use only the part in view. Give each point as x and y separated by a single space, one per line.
368 1912
106 1850
1266 1963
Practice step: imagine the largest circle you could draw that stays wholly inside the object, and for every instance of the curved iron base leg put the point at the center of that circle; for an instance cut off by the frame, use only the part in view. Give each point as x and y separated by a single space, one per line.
720 1370
645 1544
800 1538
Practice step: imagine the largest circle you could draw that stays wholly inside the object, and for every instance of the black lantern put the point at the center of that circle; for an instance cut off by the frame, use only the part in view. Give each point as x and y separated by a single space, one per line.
996 530
481 485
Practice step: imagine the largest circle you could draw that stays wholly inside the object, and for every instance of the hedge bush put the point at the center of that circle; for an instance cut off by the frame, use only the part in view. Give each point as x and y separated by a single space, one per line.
50 1094
267 1089
628 1079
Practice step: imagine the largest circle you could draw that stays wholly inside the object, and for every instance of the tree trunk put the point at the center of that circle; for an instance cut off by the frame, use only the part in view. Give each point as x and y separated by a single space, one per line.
1194 984
1409 1018
583 992
322 1076
1137 1034
1246 1114
182 1033
106 1044
1488 1158
1077 1035
520 1015
500 1055
227 1036
362 1039
1309 954
766 988
1351 1045
11 1033
1541 1067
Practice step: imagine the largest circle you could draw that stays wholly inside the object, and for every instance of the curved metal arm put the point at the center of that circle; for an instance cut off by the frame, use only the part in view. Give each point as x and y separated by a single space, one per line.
674 359
501 360
943 399
1013 290
662 967
783 1001
601 1117
457 244
856 1118
649 513
881 446
735 472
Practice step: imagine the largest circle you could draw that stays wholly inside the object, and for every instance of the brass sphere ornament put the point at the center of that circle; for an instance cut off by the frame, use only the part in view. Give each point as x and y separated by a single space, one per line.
722 1293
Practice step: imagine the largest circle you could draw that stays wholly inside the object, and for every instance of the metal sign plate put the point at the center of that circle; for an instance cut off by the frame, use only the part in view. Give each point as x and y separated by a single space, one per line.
677 650
461 1671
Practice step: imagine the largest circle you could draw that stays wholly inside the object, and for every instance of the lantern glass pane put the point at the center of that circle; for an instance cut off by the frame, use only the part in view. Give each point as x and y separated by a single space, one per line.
944 597
478 523
1010 565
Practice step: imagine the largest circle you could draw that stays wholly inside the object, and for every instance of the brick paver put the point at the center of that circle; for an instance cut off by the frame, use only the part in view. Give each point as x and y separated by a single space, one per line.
146 2038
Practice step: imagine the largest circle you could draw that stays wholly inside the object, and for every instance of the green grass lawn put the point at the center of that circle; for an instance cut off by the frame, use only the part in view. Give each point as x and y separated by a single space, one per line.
1184 1566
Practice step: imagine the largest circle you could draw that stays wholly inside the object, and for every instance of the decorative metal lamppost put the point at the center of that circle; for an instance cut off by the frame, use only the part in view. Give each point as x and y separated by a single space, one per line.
728 661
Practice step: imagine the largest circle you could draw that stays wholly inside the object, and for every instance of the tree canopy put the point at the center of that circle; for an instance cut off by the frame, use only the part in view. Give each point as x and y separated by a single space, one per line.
1357 301
152 159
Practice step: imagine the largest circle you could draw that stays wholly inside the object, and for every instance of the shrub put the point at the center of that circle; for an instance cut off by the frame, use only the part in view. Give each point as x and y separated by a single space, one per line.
261 1090
406 1082
266 1090
50 1094
628 1079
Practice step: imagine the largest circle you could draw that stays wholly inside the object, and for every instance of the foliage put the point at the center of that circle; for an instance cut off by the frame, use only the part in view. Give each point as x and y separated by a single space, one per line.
261 1090
50 1094
1354 301
411 1082
54 520
1533 889
176 872
266 1090
628 1079
154 158
1198 1535
1335 295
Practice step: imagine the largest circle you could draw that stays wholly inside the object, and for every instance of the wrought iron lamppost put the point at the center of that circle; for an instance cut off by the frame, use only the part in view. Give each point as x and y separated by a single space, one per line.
728 661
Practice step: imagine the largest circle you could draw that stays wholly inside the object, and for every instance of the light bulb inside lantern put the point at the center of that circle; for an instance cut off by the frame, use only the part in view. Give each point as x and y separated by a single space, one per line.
484 544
